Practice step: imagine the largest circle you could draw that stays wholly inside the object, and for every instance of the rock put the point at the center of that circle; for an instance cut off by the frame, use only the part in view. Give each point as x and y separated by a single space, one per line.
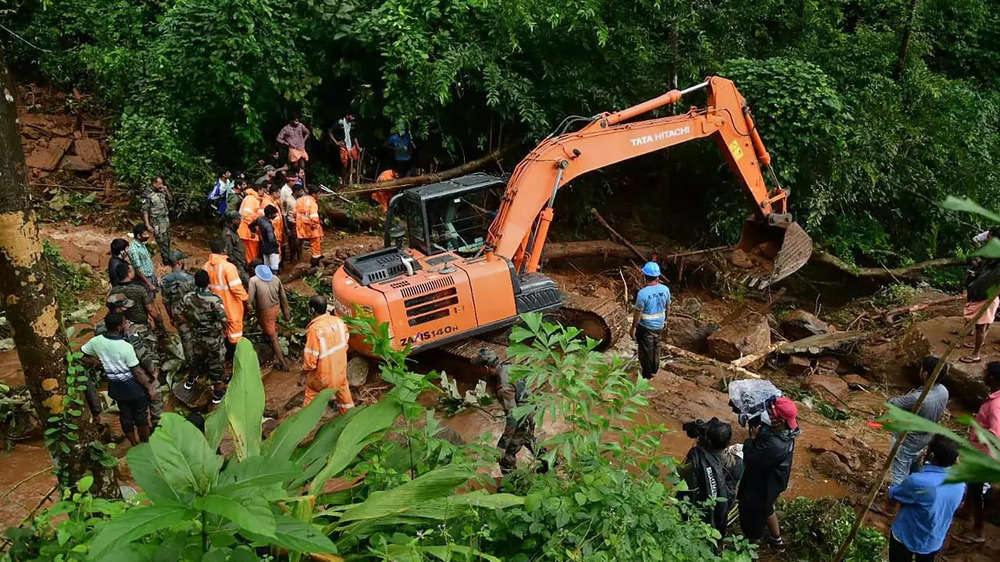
688 333
822 386
281 392
932 338
828 363
799 324
450 435
357 371
798 365
830 464
746 334
48 158
856 381
75 163
740 259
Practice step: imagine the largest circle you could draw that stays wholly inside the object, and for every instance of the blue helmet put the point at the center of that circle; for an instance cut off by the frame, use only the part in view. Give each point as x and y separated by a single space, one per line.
651 269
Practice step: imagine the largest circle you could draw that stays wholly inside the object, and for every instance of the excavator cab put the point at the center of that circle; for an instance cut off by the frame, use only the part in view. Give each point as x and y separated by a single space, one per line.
451 216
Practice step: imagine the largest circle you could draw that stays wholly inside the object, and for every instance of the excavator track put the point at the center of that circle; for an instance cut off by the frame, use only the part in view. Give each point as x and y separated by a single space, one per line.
602 319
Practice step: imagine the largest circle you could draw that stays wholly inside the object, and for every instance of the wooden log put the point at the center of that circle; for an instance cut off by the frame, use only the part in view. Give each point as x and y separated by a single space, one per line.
701 358
586 248
891 315
908 272
356 189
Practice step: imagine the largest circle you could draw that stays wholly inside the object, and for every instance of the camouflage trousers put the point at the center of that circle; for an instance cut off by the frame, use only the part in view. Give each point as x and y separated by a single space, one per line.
145 344
513 439
161 232
208 356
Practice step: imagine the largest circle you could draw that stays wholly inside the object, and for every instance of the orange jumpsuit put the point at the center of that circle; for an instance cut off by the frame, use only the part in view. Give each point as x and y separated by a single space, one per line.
250 210
325 360
383 197
278 222
224 281
308 225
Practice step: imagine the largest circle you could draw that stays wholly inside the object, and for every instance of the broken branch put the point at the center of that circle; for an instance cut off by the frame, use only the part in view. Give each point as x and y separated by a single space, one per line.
909 271
673 349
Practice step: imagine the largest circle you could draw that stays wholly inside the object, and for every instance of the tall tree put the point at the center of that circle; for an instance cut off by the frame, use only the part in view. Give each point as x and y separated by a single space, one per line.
33 313
904 43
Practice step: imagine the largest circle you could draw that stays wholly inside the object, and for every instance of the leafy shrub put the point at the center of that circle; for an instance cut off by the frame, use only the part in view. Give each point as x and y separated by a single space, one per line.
70 279
815 528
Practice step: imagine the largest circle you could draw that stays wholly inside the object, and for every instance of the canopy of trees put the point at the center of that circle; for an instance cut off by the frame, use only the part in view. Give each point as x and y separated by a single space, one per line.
873 109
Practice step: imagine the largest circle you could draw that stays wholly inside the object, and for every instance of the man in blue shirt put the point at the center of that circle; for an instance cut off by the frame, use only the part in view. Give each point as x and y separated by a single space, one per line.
928 505
402 150
652 305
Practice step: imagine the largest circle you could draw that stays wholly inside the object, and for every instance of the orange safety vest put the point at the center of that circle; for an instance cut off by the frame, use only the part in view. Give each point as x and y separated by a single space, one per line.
278 222
382 197
250 210
307 223
324 359
224 281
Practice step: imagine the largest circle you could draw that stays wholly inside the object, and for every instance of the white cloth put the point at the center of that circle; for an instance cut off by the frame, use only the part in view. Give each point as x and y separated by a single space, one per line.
273 261
287 201
347 133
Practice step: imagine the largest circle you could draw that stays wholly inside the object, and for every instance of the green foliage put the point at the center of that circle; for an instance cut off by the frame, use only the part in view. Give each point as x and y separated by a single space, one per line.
70 279
815 528
595 395
975 465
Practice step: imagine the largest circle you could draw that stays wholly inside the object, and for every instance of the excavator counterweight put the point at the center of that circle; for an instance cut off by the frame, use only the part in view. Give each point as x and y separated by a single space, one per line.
458 268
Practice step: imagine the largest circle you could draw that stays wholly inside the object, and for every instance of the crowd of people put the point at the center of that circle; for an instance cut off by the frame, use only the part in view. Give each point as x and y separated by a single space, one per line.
264 227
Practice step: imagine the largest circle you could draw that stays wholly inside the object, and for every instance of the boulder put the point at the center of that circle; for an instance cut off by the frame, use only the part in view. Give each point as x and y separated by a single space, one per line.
932 338
822 386
47 158
740 259
856 381
689 333
830 464
828 363
798 365
799 324
745 334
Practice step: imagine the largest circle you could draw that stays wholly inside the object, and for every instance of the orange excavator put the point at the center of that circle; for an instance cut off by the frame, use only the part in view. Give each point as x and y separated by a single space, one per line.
453 268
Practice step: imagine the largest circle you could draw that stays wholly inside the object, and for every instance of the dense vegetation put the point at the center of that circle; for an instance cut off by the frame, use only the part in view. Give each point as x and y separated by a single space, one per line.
866 139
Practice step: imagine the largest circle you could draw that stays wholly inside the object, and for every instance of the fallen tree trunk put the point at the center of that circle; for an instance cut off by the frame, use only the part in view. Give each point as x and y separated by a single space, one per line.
726 367
891 315
338 215
587 248
359 188
908 272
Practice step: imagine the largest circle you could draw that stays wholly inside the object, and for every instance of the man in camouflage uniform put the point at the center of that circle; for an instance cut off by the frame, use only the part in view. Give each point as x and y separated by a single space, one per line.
145 349
174 286
234 246
206 318
156 214
516 433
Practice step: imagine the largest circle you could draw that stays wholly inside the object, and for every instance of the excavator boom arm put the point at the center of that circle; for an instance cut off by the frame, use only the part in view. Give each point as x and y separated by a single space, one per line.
521 226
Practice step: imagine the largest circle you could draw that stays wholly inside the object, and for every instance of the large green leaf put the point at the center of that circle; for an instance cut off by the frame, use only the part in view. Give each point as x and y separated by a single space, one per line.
296 536
399 500
253 474
314 457
244 401
291 432
967 205
182 455
973 465
252 513
136 523
435 510
215 426
354 437
148 476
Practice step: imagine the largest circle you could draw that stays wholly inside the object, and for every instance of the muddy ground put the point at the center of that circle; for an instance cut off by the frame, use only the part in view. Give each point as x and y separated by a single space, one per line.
833 458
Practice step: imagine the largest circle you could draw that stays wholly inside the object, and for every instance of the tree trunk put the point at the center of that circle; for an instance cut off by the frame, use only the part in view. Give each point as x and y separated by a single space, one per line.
904 43
472 166
34 316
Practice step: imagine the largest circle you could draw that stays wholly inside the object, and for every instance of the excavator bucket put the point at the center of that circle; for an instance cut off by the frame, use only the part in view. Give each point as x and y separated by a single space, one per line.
769 253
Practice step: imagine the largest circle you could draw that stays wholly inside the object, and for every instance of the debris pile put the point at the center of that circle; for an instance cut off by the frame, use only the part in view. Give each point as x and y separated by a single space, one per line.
61 143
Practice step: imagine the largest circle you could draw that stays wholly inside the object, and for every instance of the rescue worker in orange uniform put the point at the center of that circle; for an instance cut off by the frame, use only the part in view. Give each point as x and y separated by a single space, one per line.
308 225
382 197
324 360
273 198
250 210
224 281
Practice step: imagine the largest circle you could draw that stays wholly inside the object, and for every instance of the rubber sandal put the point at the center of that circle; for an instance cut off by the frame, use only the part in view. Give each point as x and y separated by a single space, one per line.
966 539
970 359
